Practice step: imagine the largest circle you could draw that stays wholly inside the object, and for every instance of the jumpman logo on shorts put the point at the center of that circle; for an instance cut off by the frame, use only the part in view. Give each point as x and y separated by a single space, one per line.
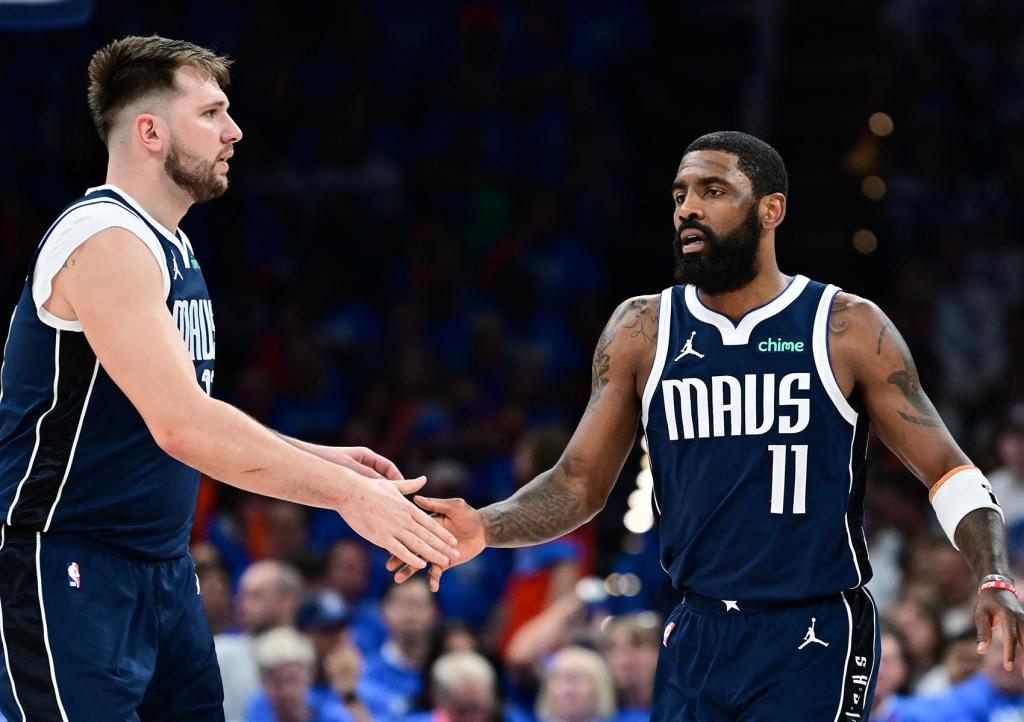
810 636
688 349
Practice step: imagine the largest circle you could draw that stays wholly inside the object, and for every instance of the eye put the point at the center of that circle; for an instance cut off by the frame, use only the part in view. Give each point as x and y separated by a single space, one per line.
680 198
715 192
211 112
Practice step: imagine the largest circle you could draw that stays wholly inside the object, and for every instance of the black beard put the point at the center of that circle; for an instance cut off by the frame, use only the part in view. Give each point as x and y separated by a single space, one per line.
727 263
193 176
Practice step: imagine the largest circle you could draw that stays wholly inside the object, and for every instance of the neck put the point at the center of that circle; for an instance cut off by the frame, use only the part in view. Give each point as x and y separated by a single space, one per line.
411 651
767 284
161 197
636 697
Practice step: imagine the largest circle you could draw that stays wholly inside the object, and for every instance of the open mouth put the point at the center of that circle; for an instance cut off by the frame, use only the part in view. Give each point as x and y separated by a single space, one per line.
693 240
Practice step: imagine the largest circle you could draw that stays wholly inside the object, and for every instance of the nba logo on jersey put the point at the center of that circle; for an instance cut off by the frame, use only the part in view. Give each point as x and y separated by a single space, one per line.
74 576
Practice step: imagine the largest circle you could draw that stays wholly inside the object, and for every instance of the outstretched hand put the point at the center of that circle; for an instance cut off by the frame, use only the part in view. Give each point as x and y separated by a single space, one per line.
378 512
363 461
999 608
458 518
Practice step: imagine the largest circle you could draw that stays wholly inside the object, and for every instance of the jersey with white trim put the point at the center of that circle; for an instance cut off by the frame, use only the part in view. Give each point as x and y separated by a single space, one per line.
75 455
757 458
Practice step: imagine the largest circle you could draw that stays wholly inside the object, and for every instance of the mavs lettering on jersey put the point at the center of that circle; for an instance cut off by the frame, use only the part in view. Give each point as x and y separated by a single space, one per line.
75 455
757 458
738 403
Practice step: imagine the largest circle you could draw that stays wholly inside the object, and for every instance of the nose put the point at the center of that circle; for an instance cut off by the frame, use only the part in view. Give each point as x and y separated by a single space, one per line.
232 134
690 209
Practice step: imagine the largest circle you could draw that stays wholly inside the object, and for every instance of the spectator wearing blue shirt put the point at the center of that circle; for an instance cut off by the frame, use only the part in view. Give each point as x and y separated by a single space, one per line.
347 572
893 674
994 695
410 614
286 662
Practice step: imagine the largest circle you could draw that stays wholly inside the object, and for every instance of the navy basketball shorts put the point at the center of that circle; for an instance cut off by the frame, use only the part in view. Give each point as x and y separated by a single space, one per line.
91 636
736 661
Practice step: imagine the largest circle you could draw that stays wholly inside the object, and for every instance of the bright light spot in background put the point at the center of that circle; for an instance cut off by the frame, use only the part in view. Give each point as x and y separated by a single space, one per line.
864 241
873 187
881 124
638 521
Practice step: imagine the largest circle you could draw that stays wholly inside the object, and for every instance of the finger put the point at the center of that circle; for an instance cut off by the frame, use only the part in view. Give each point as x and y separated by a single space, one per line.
409 486
1009 641
413 541
448 507
385 467
403 573
433 526
435 577
393 564
984 626
446 543
361 468
400 550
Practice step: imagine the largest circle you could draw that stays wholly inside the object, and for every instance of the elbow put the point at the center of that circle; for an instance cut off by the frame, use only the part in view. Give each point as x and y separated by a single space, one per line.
172 438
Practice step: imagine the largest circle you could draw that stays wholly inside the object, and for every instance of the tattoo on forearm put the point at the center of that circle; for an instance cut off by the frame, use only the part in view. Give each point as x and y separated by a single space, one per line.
878 350
907 381
837 317
544 509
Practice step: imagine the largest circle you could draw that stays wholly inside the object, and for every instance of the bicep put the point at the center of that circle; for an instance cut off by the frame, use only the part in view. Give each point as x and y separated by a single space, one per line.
900 411
607 431
117 293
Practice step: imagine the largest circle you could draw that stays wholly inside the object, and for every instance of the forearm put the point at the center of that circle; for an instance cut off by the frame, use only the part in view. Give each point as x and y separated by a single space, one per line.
314 449
551 505
227 445
981 537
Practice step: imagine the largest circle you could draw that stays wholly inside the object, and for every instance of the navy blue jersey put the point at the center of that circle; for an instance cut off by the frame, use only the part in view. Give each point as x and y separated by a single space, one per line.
75 455
757 457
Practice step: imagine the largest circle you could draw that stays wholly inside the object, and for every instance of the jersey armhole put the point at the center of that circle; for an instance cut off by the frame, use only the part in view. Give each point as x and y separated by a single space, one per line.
57 249
822 357
664 327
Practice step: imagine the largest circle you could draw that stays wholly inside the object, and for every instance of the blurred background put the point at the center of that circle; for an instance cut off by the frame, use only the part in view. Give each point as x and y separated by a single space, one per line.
434 210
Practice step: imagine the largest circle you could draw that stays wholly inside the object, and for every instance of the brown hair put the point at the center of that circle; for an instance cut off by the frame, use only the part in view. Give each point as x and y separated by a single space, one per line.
133 67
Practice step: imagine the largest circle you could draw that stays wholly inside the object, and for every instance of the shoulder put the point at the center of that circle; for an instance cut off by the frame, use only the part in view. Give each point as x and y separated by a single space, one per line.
853 314
638 315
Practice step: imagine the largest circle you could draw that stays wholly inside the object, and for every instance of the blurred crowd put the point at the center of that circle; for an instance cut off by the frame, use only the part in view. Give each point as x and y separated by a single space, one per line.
434 210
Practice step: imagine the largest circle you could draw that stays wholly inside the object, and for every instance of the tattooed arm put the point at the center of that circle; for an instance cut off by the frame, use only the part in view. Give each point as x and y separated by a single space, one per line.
869 356
576 488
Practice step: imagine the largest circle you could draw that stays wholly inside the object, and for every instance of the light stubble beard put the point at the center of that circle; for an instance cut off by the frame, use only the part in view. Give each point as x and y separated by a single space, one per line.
195 176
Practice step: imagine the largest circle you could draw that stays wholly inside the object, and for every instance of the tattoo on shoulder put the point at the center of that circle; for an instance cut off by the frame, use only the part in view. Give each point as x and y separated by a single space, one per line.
838 318
70 263
881 334
601 365
645 314
908 382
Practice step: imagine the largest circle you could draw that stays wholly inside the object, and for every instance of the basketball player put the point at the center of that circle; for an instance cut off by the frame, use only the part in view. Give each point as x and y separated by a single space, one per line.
106 416
755 389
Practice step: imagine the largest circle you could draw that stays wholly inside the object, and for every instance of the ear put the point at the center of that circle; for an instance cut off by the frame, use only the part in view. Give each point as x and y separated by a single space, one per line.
150 131
772 210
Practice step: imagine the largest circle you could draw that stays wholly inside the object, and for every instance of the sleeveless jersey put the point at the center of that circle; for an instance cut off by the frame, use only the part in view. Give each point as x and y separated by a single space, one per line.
75 455
757 457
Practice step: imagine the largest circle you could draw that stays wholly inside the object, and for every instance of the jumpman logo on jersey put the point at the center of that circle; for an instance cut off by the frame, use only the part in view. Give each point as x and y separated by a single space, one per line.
688 349
730 604
811 637
177 271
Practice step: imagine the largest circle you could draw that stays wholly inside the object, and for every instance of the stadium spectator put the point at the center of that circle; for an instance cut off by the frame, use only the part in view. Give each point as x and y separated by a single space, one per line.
893 674
286 659
576 687
269 595
630 648
409 614
347 573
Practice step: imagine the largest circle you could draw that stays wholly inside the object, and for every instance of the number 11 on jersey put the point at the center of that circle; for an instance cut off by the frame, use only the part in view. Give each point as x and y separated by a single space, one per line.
779 477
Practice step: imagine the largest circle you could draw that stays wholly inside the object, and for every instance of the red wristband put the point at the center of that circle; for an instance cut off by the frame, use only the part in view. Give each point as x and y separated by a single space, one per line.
996 584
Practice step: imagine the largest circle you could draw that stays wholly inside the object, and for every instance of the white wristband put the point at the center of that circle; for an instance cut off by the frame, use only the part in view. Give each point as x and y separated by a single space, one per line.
958 493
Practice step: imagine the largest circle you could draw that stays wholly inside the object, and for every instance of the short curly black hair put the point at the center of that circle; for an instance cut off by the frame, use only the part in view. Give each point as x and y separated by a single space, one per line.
758 161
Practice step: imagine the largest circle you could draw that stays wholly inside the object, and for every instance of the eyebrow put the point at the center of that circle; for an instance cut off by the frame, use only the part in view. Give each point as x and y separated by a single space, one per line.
704 181
216 104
